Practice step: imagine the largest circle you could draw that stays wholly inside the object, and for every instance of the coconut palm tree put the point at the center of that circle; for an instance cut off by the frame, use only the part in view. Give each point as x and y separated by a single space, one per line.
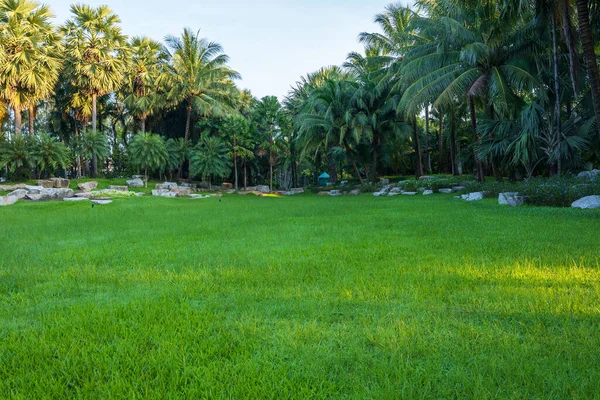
29 56
178 150
200 78
148 61
148 151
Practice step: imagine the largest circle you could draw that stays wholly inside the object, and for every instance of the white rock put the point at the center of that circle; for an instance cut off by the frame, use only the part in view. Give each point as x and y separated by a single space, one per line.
589 174
166 185
38 197
85 195
263 188
335 193
34 189
511 199
159 192
136 183
587 203
19 193
473 196
87 186
409 193
197 196
7 200
446 190
170 194
102 202
396 190
76 199
427 192
58 193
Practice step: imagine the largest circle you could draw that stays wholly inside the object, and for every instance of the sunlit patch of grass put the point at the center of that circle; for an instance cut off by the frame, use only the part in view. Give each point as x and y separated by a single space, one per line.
302 297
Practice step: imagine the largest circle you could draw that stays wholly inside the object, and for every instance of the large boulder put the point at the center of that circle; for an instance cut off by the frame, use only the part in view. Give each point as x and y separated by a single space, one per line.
589 174
354 192
159 192
7 200
57 193
19 193
473 196
88 186
263 188
511 199
46 183
182 191
166 186
60 183
227 186
118 188
38 196
135 183
446 190
33 189
427 192
587 203
10 188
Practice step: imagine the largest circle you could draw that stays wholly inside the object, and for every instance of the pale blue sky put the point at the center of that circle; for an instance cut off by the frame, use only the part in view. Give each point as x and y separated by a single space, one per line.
271 42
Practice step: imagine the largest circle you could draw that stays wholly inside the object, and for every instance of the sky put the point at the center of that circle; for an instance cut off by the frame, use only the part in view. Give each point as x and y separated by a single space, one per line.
271 43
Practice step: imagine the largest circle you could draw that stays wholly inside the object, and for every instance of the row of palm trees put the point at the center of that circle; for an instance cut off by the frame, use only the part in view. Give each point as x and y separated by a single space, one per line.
494 87
499 80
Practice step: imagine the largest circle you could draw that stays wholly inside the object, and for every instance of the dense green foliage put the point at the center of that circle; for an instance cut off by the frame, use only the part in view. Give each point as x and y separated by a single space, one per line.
381 298
503 89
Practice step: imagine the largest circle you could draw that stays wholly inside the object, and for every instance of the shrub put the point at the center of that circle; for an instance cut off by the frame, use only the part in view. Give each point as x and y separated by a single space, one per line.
558 191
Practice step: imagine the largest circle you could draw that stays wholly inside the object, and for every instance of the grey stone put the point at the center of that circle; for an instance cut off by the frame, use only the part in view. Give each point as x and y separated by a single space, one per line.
409 193
46 183
197 196
33 189
182 191
10 188
446 191
511 199
102 202
87 186
159 192
589 174
587 203
7 200
166 185
458 188
85 195
76 199
19 193
118 188
135 183
335 193
38 197
475 196
297 190
60 183
170 194
396 190
354 192
421 189
263 188
57 193
427 192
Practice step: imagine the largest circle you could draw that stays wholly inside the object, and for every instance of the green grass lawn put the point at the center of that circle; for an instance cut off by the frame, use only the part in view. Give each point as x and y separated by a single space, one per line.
298 297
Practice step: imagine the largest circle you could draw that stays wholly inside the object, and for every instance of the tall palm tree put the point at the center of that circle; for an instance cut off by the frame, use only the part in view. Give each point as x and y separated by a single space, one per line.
200 77
96 56
29 56
268 115
148 61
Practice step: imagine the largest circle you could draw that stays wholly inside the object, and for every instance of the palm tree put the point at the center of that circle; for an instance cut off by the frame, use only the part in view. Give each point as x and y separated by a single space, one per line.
17 155
178 150
148 61
200 78
29 56
237 130
210 157
49 154
94 146
148 151
268 114
96 53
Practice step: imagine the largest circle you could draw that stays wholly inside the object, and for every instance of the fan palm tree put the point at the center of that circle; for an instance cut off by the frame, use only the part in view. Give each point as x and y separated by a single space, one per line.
49 154
210 157
17 155
93 146
29 56
96 55
148 151
200 77
148 61
178 150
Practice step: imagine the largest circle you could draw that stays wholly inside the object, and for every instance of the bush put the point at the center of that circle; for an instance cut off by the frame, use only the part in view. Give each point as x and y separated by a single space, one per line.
558 191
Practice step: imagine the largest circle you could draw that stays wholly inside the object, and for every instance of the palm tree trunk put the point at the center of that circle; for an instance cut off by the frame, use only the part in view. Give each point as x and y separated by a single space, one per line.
427 144
478 163
271 175
583 14
245 177
495 169
31 120
143 124
353 162
419 159
453 147
188 120
94 112
94 166
18 121
376 140
565 14
235 169
557 95
441 146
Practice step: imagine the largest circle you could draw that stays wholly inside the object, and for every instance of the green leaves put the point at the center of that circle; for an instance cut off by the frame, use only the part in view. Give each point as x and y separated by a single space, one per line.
148 151
210 157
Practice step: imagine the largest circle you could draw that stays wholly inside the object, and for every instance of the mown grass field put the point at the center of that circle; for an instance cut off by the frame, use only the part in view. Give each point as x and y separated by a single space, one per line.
299 297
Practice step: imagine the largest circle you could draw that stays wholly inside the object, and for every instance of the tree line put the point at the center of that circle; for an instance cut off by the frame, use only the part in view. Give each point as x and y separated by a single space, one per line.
494 88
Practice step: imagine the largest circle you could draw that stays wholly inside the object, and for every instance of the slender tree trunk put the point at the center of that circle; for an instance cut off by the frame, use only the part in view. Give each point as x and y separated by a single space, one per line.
557 95
353 162
94 112
18 121
427 144
146 177
478 163
583 14
495 169
568 31
235 170
188 120
376 145
419 157
245 177
453 146
332 167
31 120
271 176
441 162
143 124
